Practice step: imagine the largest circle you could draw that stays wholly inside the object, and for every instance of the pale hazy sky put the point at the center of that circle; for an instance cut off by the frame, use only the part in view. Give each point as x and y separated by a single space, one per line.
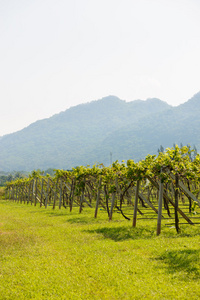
55 54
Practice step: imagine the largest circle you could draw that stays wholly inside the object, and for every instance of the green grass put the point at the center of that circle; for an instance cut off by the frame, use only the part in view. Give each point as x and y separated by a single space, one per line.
46 254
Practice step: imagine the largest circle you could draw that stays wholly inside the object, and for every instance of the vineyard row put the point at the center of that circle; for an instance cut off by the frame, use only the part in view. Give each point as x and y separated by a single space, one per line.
168 183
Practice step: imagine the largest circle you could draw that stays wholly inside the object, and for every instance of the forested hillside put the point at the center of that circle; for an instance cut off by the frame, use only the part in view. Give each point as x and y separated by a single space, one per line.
88 133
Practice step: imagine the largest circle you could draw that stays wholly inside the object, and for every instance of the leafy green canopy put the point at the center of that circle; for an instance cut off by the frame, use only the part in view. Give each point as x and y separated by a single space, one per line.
173 160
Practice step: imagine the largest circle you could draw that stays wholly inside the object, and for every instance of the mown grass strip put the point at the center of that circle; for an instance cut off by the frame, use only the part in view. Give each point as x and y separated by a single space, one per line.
55 254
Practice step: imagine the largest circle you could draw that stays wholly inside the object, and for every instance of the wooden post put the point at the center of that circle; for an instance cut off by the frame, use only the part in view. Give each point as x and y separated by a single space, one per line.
185 190
41 195
33 191
55 195
17 189
47 194
171 202
98 197
18 199
72 194
82 197
142 197
24 192
60 199
160 207
113 201
112 206
35 201
29 192
176 204
13 193
136 203
22 188
81 201
21 193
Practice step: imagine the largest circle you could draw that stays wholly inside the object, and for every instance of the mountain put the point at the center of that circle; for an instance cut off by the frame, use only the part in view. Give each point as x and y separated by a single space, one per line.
174 126
87 133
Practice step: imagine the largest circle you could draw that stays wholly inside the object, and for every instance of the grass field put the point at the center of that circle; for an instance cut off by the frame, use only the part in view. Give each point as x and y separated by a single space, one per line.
55 254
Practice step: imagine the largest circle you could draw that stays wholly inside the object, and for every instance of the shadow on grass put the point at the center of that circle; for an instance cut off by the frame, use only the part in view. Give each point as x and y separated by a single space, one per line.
182 261
186 231
123 233
82 220
51 213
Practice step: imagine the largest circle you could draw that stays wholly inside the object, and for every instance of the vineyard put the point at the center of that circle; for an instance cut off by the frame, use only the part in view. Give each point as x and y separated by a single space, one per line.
163 187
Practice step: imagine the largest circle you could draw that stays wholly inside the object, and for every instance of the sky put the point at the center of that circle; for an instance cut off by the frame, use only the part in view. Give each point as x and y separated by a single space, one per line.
55 54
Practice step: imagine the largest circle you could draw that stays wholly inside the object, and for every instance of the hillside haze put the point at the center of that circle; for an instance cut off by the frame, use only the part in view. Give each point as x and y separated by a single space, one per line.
88 133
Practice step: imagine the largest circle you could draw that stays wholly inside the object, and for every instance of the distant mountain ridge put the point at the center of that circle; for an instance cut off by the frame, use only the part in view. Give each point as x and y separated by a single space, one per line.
88 133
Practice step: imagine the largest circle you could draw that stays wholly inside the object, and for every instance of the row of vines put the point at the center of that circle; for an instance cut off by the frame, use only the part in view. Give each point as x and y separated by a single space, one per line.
165 186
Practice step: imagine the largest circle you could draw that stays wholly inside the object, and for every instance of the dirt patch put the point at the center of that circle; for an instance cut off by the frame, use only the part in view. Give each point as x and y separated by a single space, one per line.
1 233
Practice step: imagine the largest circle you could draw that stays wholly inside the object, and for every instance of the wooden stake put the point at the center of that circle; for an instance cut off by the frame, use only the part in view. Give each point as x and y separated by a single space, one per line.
82 197
112 206
72 194
41 194
29 192
98 197
171 202
176 204
136 203
47 194
141 196
24 192
35 202
113 201
55 195
17 189
60 199
21 188
185 189
160 207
